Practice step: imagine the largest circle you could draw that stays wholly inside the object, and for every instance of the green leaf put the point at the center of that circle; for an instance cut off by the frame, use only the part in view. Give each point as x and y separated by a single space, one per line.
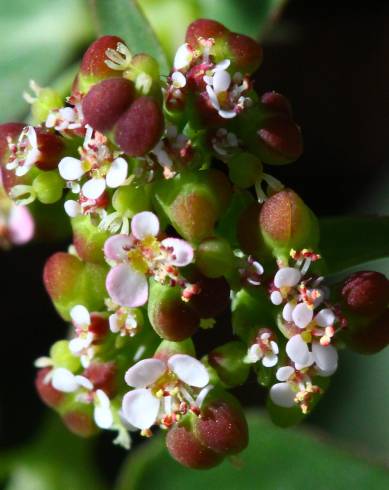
124 18
38 40
348 241
276 459
56 460
378 265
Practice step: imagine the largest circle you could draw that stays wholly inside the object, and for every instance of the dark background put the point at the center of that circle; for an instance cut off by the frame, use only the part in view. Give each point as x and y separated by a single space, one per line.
332 62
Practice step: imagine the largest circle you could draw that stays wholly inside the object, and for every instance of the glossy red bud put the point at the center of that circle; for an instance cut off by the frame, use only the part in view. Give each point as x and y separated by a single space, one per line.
80 423
278 103
106 101
186 449
246 54
93 61
139 129
103 377
51 147
204 29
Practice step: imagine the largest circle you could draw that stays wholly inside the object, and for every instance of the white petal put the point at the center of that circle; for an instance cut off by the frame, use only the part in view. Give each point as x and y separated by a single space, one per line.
254 354
72 208
117 173
326 358
212 97
77 345
144 224
287 277
222 65
93 188
103 417
284 373
114 324
302 315
189 370
183 252
270 360
274 347
80 316
276 298
178 79
325 318
287 312
297 350
116 247
140 408
31 158
63 380
84 382
183 57
221 81
126 286
282 395
32 137
70 168
144 373
227 114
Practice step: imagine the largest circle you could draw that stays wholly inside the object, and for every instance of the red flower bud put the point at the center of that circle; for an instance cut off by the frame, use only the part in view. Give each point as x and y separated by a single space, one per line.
49 395
103 105
99 326
222 426
103 377
277 103
366 293
186 449
93 62
204 29
246 54
140 127
51 147
369 338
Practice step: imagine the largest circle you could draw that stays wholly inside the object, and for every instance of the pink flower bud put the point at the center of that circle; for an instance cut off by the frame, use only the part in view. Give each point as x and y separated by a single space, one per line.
106 101
140 127
186 449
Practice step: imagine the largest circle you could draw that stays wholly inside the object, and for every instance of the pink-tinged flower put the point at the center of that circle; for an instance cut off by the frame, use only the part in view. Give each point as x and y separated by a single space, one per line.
24 153
141 254
295 388
65 119
183 57
226 93
82 345
323 358
99 163
264 349
164 391
17 225
124 322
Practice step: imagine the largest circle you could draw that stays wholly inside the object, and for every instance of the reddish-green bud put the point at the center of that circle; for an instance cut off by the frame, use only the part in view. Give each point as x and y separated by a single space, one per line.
227 361
170 316
368 337
103 105
194 201
214 257
140 127
49 395
80 422
88 239
366 293
203 29
93 67
103 377
70 282
245 53
287 223
186 449
245 169
222 426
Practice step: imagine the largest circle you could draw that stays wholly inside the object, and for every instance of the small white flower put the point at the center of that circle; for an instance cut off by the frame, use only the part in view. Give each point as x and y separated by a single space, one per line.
163 390
25 153
183 57
81 346
325 358
264 350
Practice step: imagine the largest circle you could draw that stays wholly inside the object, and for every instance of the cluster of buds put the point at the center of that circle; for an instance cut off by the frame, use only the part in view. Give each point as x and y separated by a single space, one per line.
174 223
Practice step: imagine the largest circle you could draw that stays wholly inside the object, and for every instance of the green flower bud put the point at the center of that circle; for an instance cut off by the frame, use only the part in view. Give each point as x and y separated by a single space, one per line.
245 169
48 187
227 361
132 199
167 349
88 239
47 100
214 257
62 356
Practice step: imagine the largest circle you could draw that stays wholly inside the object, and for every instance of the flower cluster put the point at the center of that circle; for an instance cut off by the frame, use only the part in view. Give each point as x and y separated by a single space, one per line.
174 223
